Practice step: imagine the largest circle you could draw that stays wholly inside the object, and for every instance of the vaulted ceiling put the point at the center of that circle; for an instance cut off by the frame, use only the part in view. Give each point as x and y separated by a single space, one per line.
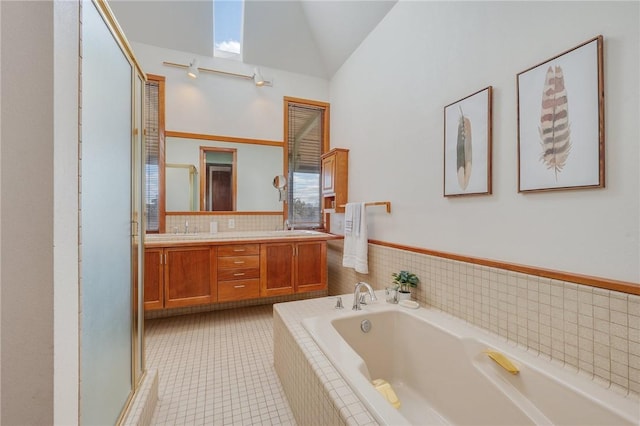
312 37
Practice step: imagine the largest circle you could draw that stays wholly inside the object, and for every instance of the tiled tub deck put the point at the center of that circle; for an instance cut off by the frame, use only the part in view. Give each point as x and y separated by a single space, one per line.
316 392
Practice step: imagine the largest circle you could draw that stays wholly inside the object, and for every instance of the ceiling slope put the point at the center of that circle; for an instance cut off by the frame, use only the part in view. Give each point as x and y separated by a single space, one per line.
179 25
311 37
339 27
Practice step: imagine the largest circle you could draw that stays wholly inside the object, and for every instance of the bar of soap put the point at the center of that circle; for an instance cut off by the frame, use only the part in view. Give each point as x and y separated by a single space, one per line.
409 304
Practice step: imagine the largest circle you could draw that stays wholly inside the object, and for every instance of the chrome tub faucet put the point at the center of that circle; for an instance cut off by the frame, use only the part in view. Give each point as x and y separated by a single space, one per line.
356 295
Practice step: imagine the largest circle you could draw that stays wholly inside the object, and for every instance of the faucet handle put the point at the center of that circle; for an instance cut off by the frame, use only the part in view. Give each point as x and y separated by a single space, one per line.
363 298
339 303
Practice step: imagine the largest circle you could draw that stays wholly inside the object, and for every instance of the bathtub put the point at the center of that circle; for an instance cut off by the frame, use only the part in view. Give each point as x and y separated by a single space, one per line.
438 368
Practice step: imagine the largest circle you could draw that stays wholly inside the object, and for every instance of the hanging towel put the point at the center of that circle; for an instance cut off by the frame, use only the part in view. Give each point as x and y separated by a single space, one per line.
355 238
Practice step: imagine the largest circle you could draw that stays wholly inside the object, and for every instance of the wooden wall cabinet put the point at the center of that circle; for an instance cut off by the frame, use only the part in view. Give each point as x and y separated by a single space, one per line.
179 276
295 267
335 171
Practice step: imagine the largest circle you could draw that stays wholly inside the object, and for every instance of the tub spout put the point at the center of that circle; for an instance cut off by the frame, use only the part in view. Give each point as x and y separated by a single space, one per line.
356 294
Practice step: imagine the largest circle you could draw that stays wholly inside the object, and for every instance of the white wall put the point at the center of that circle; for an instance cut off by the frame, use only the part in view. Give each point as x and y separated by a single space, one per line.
387 107
39 238
222 105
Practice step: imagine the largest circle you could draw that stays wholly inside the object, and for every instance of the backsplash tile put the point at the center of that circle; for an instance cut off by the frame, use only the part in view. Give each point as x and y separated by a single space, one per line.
586 329
243 222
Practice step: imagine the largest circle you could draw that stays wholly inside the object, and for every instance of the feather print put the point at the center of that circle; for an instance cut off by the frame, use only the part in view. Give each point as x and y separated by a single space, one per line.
554 122
464 151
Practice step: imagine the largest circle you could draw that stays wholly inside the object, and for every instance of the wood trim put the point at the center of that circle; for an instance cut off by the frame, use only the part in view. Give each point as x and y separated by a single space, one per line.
326 127
291 99
156 77
285 155
599 282
219 138
326 142
219 213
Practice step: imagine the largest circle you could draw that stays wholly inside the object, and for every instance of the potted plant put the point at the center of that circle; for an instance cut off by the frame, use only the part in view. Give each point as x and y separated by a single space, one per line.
403 281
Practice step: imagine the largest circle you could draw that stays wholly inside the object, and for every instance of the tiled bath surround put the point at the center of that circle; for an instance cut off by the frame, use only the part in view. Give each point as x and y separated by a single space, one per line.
587 329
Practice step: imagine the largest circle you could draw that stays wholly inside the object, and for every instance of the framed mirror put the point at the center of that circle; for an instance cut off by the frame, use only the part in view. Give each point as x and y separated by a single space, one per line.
245 166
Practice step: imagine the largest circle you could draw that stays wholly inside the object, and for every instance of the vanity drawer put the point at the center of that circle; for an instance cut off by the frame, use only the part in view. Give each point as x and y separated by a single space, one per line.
239 250
238 262
238 274
238 290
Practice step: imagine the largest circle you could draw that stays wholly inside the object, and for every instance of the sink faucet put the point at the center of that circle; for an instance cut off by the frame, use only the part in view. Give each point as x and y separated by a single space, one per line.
186 227
356 294
287 225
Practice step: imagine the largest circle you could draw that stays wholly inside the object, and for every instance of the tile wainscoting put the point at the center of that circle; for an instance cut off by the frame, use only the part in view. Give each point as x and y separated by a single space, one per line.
590 330
242 222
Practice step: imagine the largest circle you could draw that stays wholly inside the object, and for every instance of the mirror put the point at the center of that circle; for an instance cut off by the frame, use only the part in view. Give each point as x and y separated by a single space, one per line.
280 183
254 168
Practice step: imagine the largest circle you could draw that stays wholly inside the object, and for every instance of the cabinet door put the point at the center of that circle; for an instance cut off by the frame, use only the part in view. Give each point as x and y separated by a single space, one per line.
276 269
189 277
311 266
328 174
153 288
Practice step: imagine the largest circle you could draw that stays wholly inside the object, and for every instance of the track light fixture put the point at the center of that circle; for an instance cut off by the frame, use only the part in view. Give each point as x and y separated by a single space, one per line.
257 78
193 71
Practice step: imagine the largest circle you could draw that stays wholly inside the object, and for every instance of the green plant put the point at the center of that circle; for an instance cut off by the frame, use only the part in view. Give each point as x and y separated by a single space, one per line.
404 280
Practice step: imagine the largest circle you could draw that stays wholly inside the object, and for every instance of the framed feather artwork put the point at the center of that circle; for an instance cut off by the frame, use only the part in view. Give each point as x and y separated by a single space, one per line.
467 145
561 121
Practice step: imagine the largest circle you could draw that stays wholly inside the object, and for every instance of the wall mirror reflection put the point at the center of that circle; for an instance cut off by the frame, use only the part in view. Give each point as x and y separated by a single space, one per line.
228 174
218 182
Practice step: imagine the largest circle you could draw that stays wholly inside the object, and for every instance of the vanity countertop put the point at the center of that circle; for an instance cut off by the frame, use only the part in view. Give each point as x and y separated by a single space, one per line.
164 240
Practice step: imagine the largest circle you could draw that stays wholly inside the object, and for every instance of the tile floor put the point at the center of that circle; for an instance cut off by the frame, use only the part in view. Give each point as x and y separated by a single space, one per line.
216 368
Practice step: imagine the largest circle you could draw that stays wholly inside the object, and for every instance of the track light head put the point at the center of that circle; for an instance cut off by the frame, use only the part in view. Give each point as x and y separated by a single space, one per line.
193 71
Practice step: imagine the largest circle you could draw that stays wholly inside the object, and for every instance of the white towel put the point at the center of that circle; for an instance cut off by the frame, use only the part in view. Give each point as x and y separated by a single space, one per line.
356 244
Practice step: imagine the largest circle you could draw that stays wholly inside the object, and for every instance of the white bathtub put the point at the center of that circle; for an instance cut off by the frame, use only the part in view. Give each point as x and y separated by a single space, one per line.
437 366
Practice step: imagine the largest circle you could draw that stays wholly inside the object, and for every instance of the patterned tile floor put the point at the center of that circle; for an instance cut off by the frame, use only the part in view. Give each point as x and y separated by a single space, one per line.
216 368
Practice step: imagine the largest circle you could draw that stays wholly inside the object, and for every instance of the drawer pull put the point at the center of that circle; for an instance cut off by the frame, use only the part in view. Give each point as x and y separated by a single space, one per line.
239 262
238 274
238 249
238 286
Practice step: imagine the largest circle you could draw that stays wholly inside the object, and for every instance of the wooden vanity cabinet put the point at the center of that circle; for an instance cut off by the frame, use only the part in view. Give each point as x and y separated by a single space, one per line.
310 266
153 279
238 272
179 276
189 276
295 267
276 264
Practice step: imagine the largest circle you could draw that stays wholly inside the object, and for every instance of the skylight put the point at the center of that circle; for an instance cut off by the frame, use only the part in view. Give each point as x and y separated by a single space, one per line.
228 16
